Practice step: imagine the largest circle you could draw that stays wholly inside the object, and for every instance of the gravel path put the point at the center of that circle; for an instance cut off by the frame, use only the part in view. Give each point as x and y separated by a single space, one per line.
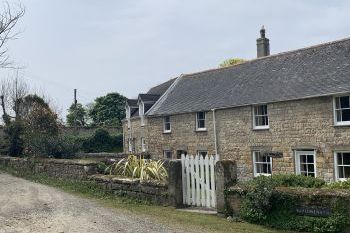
30 207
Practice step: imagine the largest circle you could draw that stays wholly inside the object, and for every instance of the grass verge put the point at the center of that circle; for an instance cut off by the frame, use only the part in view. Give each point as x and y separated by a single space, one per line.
165 215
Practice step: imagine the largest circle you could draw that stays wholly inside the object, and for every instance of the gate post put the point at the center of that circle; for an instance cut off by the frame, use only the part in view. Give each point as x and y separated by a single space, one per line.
175 183
225 174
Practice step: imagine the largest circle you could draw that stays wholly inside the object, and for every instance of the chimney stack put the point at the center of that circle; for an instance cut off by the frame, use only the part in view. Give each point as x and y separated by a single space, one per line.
263 44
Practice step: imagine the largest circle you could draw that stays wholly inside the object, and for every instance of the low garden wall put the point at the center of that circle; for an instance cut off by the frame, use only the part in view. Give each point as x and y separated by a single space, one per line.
150 191
164 193
60 168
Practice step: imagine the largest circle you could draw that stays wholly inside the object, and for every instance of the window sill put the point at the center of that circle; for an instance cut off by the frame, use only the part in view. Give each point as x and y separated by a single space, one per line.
339 124
201 130
261 127
261 174
166 132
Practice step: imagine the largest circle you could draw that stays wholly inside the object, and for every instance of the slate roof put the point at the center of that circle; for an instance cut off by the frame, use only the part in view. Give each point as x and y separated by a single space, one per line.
314 71
149 97
132 102
161 88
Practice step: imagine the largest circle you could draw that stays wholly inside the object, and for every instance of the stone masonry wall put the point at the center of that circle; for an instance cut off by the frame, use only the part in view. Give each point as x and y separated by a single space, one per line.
183 135
136 132
154 192
300 124
68 169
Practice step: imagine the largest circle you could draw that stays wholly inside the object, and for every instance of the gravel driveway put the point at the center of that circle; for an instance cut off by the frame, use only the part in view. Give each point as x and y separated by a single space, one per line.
29 207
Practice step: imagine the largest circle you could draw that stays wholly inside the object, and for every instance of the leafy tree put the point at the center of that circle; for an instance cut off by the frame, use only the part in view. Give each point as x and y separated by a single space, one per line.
231 62
108 110
76 115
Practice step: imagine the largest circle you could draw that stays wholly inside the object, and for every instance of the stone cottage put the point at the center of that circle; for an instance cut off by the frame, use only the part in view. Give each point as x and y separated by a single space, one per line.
283 113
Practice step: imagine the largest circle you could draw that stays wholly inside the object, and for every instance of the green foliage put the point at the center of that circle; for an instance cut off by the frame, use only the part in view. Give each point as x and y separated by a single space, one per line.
58 146
76 115
139 168
108 110
231 62
13 138
102 141
340 185
292 180
264 205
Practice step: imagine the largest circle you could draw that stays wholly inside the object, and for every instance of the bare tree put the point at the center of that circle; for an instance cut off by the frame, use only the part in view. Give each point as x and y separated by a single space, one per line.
8 20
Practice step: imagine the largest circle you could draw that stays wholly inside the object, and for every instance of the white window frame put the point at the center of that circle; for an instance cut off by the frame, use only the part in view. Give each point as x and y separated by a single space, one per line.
256 174
130 144
164 125
142 112
197 121
201 152
336 122
267 115
297 154
336 166
143 144
128 115
165 154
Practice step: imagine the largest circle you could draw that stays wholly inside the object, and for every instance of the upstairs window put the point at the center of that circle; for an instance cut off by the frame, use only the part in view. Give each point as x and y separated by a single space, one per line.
200 121
167 124
342 110
142 113
342 165
260 117
262 164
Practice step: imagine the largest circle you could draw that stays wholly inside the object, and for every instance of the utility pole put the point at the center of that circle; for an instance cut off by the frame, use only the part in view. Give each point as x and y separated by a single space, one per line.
75 109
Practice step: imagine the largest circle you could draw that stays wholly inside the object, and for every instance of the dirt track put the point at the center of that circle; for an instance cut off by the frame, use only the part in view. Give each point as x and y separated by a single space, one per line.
29 207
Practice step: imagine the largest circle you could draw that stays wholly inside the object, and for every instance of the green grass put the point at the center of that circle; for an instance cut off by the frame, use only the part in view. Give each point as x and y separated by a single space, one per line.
165 215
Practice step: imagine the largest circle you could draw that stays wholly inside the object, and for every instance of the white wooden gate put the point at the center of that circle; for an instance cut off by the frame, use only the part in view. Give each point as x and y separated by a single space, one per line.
198 180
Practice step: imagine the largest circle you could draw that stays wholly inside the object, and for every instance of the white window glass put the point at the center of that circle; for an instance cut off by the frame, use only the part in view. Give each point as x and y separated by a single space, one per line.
342 110
167 124
306 163
200 121
260 118
262 164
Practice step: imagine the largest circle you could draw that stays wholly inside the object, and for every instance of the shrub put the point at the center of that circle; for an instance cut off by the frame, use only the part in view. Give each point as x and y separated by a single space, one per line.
13 138
102 141
292 180
139 168
340 185
264 205
52 146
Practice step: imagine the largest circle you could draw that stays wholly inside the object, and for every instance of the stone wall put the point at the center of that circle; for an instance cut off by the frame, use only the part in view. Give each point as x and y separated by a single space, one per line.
299 124
135 132
59 168
154 192
183 136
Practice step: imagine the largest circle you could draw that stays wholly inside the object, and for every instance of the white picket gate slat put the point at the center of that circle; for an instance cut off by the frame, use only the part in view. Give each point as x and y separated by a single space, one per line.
198 179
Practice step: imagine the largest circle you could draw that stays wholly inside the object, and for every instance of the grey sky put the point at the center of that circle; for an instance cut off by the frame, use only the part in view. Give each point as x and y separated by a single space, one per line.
101 46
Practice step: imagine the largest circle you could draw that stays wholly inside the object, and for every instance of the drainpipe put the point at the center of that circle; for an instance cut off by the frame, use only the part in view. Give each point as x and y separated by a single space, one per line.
215 137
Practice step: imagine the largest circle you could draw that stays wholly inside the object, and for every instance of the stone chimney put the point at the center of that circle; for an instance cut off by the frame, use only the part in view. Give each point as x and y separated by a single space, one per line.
263 44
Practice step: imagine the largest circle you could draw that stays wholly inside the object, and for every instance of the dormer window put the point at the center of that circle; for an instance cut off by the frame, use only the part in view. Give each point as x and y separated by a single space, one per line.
167 124
200 121
342 110
128 115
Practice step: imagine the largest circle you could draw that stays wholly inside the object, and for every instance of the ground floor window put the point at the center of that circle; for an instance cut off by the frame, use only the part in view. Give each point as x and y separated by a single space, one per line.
202 153
130 145
305 162
179 153
143 145
167 154
342 165
262 164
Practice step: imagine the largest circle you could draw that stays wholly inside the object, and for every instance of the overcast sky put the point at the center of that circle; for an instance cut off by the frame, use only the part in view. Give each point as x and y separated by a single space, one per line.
129 46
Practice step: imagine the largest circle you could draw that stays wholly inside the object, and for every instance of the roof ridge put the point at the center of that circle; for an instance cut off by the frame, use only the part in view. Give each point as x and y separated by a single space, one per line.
270 56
